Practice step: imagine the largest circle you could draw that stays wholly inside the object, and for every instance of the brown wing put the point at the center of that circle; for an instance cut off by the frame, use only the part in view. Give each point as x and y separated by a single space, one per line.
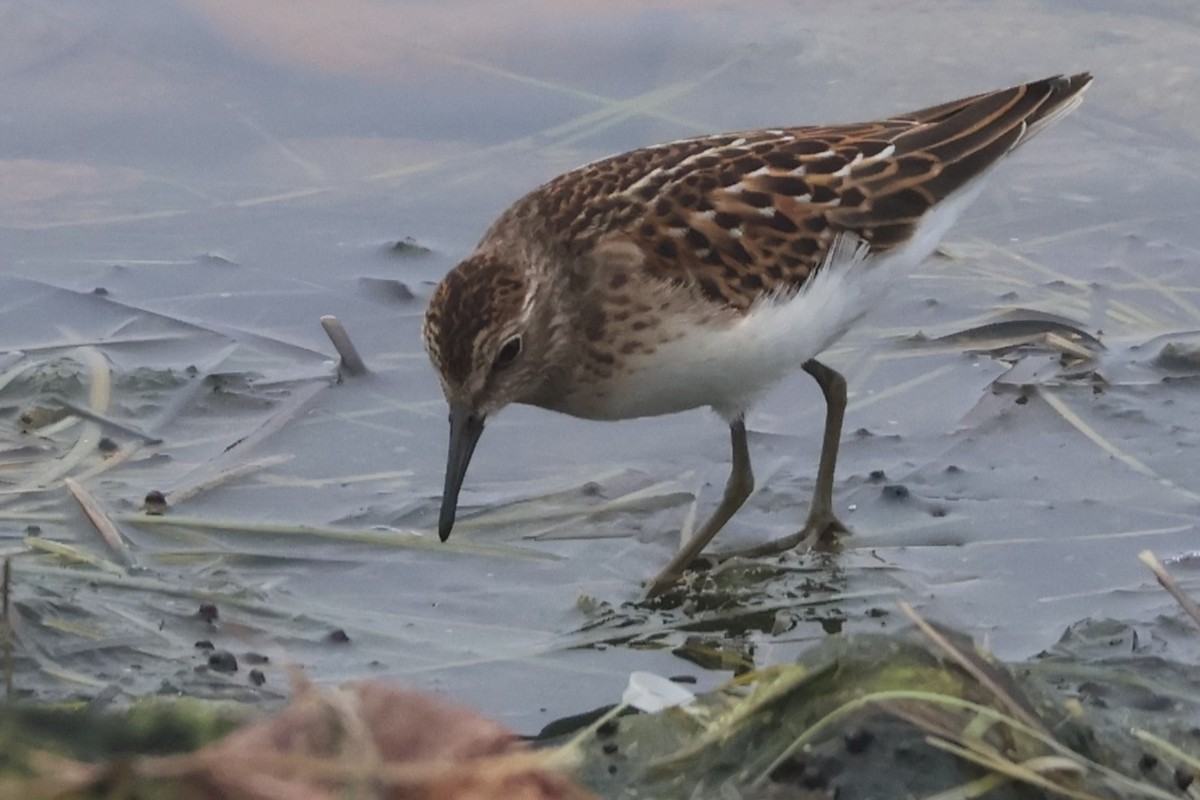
746 213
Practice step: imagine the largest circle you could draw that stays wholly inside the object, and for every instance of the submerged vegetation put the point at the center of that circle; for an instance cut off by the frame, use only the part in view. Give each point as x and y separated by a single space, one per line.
924 716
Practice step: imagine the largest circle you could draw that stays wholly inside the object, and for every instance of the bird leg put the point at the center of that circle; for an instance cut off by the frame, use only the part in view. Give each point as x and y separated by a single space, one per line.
821 520
822 524
737 489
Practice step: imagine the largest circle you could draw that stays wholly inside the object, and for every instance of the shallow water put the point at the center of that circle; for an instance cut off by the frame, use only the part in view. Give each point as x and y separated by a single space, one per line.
228 172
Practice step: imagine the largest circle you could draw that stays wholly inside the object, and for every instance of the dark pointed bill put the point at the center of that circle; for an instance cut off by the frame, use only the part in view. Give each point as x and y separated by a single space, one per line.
465 427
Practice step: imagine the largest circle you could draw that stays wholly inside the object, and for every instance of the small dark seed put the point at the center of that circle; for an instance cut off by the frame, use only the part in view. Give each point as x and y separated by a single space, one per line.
208 612
338 636
877 475
222 661
1022 400
205 644
155 504
609 748
107 445
257 677
607 729
100 290
255 658
1147 762
895 491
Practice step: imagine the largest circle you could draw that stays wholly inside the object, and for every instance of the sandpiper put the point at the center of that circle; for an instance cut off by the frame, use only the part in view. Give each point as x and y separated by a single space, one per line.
700 272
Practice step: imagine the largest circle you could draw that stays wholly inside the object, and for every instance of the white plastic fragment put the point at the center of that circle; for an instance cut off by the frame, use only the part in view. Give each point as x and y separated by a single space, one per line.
651 693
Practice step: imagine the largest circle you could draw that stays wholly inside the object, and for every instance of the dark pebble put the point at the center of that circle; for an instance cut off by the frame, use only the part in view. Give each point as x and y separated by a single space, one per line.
895 491
877 476
155 502
222 661
107 445
338 636
607 729
257 677
208 612
1147 762
609 748
205 644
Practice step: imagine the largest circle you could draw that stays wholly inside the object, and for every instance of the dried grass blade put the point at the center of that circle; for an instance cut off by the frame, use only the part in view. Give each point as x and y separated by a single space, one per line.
100 520
981 675
106 422
383 538
1167 582
233 453
901 388
177 496
73 554
1064 411
99 397
352 362
1012 770
1169 750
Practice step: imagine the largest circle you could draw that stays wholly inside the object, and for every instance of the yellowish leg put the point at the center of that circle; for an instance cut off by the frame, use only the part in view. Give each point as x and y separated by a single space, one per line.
822 523
821 519
737 489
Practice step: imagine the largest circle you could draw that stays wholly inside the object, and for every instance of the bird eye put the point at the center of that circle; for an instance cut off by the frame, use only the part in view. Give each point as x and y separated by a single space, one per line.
510 350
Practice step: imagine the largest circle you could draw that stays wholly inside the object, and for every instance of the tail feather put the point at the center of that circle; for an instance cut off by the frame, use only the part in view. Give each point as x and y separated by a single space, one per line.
1010 115
949 146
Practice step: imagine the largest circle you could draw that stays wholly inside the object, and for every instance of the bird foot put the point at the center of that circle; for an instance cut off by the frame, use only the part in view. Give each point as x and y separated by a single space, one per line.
821 531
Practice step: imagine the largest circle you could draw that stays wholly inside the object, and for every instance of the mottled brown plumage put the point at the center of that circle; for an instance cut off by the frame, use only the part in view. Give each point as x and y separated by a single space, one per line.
687 273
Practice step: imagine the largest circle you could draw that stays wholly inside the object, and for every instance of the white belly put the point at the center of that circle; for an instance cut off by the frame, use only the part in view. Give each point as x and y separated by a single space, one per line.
730 365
